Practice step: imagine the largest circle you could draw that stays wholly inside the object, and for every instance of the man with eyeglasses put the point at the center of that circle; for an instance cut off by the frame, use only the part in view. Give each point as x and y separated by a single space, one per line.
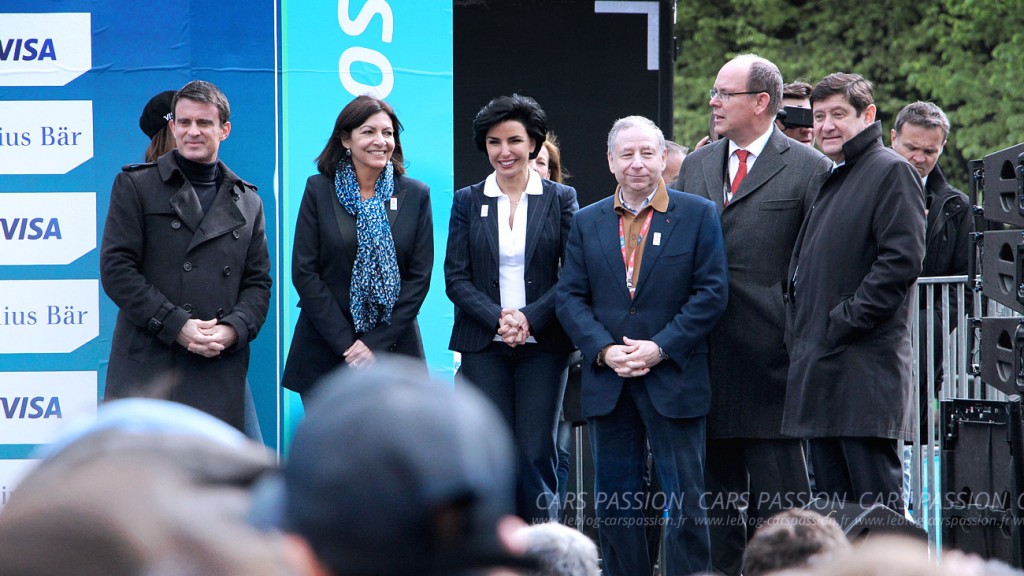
762 200
849 317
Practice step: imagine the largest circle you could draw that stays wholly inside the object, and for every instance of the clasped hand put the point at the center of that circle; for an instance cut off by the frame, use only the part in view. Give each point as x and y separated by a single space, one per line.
359 355
206 337
513 327
632 358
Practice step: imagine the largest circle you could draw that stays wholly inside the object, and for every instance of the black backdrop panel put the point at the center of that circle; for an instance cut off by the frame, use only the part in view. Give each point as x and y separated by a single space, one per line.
585 69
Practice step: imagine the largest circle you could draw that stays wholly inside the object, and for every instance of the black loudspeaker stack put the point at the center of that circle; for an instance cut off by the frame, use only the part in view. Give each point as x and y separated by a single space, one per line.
983 440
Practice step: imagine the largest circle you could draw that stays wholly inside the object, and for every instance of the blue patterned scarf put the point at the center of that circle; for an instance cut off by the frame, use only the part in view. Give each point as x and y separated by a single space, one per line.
375 278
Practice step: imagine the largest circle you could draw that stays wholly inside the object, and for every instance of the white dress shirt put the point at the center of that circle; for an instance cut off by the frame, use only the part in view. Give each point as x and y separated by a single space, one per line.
512 242
755 148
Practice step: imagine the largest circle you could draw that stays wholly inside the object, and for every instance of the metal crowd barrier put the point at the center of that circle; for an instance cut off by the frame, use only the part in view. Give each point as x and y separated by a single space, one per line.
960 346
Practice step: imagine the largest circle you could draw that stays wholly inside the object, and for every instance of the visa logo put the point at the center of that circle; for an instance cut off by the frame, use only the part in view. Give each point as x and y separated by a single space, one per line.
22 407
25 49
29 228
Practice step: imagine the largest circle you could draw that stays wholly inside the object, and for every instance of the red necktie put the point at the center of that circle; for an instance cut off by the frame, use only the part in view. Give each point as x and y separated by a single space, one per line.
742 171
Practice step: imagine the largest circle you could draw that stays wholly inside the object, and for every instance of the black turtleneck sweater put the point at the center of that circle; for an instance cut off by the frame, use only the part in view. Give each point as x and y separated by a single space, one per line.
205 179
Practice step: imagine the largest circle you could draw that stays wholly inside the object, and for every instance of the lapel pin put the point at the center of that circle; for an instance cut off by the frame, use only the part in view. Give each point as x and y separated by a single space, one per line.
657 239
483 211
394 203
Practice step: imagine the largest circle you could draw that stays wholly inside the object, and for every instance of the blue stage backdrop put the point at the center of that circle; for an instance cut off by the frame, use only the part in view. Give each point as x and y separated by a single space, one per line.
401 51
74 77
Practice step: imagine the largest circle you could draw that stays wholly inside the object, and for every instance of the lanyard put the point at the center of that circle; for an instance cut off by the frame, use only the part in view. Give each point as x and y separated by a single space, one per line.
622 246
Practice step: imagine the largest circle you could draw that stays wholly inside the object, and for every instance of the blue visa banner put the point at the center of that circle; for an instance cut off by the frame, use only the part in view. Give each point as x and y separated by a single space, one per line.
74 77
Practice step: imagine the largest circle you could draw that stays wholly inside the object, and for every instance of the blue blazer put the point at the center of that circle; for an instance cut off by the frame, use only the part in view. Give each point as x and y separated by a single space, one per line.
681 291
471 265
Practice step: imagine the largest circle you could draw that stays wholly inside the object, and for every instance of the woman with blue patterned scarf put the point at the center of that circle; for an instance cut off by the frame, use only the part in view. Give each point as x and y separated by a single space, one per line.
505 244
363 250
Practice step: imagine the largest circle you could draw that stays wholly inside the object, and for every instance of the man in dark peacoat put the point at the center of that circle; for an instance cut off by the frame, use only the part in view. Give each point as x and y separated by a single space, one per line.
849 316
638 300
186 263
748 458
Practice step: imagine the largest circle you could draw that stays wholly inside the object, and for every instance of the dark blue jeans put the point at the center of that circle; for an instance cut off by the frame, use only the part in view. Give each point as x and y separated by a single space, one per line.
526 384
619 440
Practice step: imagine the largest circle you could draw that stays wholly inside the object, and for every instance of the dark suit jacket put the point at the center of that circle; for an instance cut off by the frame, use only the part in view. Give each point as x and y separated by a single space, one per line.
323 254
747 356
681 291
471 265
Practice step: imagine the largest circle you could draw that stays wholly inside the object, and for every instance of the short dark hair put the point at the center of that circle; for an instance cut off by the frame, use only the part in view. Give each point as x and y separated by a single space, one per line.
522 109
764 76
860 93
790 539
923 114
352 116
203 91
797 90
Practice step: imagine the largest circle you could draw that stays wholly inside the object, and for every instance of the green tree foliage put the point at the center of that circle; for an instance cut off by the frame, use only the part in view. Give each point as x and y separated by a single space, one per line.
967 56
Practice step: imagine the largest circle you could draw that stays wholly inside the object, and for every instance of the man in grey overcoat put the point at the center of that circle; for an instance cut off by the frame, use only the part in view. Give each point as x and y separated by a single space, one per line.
184 257
749 460
849 317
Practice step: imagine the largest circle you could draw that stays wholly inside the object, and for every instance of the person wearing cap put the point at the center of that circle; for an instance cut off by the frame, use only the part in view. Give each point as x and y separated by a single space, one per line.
643 282
155 121
184 257
392 473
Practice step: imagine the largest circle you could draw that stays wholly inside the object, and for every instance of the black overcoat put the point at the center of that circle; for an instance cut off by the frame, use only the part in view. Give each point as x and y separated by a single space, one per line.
849 317
162 262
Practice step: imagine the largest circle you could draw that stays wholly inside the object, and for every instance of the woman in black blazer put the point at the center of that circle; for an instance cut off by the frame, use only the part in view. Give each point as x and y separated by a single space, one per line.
363 250
506 239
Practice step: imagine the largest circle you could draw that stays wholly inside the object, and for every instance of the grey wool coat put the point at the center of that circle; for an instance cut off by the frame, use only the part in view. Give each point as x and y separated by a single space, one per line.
747 357
162 262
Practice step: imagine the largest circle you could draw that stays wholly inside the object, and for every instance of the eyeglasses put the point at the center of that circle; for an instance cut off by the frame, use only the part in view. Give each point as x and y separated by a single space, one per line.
724 96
